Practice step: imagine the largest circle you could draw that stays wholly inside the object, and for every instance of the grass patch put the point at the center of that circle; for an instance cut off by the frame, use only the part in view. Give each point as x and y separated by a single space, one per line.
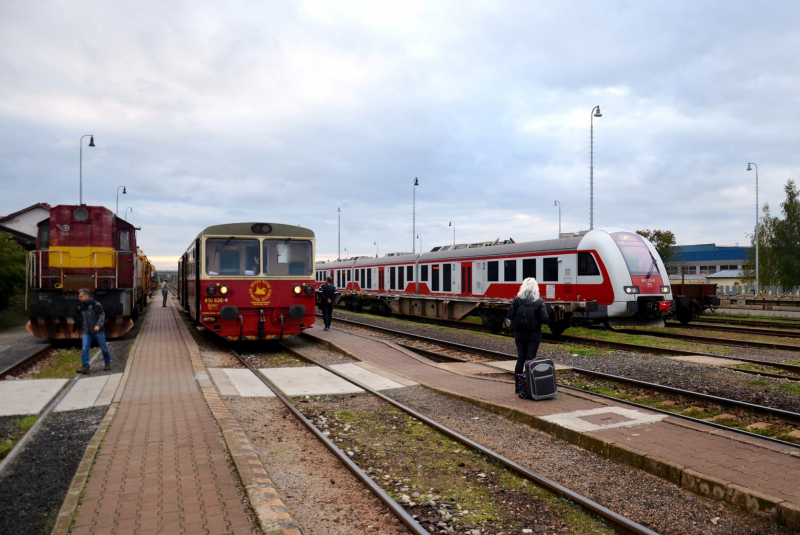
63 366
757 383
14 315
790 388
15 434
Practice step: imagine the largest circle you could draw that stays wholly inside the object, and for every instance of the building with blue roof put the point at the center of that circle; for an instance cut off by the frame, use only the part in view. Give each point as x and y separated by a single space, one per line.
693 263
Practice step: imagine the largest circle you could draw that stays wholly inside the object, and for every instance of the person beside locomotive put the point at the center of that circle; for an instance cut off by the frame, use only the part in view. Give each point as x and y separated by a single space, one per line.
93 318
527 314
164 293
327 299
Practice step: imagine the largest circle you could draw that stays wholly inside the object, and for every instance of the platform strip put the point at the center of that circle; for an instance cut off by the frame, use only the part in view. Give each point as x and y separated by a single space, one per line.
750 473
273 515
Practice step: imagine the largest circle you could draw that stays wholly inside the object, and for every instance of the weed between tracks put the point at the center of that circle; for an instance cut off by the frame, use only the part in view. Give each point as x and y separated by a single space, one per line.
58 364
765 425
12 431
439 481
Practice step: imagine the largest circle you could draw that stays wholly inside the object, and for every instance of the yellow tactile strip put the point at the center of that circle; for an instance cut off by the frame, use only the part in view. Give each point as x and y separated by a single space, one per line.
273 515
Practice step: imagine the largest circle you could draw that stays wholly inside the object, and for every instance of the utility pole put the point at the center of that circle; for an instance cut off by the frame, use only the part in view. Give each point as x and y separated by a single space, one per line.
414 218
339 247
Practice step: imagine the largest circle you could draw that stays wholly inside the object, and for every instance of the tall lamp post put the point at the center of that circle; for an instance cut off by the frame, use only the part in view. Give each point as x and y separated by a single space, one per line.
558 203
420 244
376 248
414 218
91 144
750 169
345 252
124 192
129 208
452 224
591 163
339 246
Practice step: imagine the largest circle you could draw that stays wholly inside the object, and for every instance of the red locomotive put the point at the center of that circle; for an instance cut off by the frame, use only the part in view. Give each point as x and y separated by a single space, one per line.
82 247
249 281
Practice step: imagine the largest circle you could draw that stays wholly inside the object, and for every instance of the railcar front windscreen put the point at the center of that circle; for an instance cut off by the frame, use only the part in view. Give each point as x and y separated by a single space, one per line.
635 252
288 257
232 256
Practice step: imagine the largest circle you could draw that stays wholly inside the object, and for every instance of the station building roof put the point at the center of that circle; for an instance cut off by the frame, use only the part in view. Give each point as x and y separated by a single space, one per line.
709 252
727 274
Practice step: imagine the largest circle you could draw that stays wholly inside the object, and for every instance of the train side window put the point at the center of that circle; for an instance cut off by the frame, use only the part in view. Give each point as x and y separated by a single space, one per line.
392 279
410 273
586 265
529 268
401 280
369 278
492 275
550 269
510 271
447 275
349 275
338 278
124 240
435 277
423 274
356 275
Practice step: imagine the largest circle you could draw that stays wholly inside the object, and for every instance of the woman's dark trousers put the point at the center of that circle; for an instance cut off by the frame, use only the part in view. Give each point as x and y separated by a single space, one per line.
327 313
527 347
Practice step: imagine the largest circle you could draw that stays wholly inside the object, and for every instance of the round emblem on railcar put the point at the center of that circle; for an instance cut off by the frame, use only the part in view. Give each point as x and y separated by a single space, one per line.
260 291
80 214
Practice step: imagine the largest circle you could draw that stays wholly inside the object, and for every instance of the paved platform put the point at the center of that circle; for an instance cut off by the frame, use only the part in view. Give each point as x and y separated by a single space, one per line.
162 467
302 381
90 392
754 474
27 396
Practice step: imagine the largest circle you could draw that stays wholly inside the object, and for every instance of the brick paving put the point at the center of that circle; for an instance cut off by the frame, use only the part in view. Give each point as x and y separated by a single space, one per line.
750 463
162 467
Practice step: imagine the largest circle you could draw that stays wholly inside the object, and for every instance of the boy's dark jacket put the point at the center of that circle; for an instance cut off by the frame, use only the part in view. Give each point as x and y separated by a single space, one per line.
91 315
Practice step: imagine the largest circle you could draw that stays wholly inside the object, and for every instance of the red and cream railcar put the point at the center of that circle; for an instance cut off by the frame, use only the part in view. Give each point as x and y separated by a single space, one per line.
249 281
82 247
608 276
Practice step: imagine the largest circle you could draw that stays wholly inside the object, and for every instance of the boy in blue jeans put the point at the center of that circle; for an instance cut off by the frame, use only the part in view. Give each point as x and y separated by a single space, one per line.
92 317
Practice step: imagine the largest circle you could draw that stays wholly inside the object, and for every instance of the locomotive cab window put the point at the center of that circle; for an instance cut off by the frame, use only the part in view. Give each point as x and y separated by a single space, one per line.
232 256
44 235
284 258
587 265
550 269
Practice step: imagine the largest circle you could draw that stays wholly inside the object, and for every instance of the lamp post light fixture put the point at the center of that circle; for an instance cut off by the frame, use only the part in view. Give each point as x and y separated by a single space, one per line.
452 224
414 217
558 203
376 248
750 169
129 208
91 144
124 192
591 163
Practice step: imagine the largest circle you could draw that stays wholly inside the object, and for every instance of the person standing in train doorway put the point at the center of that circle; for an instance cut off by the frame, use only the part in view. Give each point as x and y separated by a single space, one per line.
327 298
527 313
92 317
164 293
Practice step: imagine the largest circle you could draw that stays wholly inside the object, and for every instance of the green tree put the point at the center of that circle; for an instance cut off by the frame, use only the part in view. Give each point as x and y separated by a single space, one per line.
12 269
662 240
767 259
786 238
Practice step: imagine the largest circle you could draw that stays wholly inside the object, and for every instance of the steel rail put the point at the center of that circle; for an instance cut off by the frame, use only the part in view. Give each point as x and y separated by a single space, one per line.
498 355
362 476
590 342
750 323
24 362
715 341
621 523
780 333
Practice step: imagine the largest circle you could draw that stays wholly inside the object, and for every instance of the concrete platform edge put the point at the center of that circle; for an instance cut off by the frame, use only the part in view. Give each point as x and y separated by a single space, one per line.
73 497
270 509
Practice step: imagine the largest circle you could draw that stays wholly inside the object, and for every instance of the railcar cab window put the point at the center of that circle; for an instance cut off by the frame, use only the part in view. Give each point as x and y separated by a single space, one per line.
287 257
586 265
636 254
550 269
232 256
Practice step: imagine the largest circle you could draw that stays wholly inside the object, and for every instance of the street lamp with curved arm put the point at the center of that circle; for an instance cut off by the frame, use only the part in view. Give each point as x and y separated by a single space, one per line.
124 192
591 163
129 208
91 144
558 203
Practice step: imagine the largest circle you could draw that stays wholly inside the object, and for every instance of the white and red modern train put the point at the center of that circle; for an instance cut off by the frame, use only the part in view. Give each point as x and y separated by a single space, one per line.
606 276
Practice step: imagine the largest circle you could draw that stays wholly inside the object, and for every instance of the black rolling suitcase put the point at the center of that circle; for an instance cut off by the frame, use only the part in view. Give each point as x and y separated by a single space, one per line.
540 374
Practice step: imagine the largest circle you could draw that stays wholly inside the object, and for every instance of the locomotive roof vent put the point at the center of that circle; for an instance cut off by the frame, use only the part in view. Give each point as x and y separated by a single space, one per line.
80 214
261 228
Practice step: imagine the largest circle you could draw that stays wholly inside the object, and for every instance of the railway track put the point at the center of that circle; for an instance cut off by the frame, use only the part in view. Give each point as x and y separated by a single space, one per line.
708 340
619 522
749 323
781 333
22 362
769 412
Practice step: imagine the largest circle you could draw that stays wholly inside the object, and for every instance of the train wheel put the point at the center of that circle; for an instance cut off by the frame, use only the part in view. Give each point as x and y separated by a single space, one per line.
495 327
685 315
558 327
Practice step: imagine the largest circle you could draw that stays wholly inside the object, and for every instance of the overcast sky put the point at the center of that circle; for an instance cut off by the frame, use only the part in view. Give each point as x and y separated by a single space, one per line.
213 112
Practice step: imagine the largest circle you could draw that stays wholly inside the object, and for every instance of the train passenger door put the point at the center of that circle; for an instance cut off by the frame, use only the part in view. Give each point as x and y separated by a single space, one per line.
590 281
466 278
381 279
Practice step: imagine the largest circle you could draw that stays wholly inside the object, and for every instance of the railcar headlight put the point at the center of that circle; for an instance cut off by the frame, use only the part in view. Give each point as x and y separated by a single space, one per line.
309 289
631 289
665 289
297 289
210 289
223 290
